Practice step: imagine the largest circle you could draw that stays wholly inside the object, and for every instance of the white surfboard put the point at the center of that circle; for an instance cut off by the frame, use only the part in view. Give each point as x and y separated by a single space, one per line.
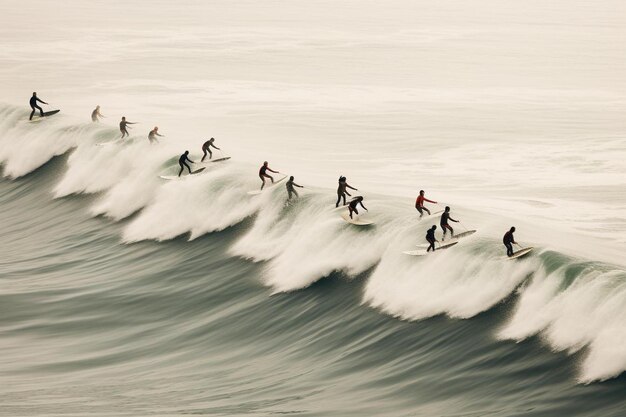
423 252
176 177
518 254
267 187
356 220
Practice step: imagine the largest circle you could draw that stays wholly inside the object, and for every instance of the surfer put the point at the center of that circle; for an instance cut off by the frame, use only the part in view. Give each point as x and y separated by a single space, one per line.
290 190
430 237
33 105
419 204
508 240
96 115
182 161
352 207
152 136
263 173
342 190
444 223
206 148
124 126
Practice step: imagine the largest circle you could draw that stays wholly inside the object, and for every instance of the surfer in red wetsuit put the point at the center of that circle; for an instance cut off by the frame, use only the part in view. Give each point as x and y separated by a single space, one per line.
508 239
33 105
419 203
263 173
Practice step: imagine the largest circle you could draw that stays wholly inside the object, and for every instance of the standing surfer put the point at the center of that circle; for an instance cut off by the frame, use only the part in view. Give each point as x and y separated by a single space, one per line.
263 173
182 161
419 204
342 192
444 223
33 105
152 136
206 148
430 237
96 115
124 126
290 190
508 240
352 207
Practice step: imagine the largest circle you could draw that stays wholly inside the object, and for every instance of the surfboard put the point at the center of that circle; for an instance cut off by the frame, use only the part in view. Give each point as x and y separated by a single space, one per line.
37 117
456 238
355 220
176 177
427 216
518 254
257 192
423 252
226 158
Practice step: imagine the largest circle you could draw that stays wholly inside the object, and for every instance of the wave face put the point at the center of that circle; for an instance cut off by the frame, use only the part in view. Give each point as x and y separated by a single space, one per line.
148 296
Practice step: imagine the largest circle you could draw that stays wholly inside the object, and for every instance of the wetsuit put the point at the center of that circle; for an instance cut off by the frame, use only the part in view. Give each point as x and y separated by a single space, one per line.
508 240
290 190
342 192
352 207
419 204
430 237
34 106
444 223
263 174
123 124
152 136
182 161
206 148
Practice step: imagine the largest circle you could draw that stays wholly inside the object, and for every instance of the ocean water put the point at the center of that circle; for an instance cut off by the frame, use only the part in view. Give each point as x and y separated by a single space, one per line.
122 294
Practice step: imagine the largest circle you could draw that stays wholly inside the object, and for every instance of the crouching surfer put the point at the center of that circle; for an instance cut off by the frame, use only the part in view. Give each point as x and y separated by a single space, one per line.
263 173
508 241
182 161
152 136
430 238
352 207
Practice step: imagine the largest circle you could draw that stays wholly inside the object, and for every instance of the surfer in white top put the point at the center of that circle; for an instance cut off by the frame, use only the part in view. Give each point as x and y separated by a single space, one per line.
96 115
352 207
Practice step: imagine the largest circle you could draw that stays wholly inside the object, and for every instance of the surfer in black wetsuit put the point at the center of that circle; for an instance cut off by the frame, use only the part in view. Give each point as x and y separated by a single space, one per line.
96 115
263 173
352 207
33 105
124 125
444 223
290 190
206 148
508 240
182 161
430 237
152 136
342 192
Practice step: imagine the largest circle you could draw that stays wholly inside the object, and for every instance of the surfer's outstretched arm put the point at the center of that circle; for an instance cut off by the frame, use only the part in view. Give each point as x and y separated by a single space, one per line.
350 187
451 219
271 170
216 147
296 185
